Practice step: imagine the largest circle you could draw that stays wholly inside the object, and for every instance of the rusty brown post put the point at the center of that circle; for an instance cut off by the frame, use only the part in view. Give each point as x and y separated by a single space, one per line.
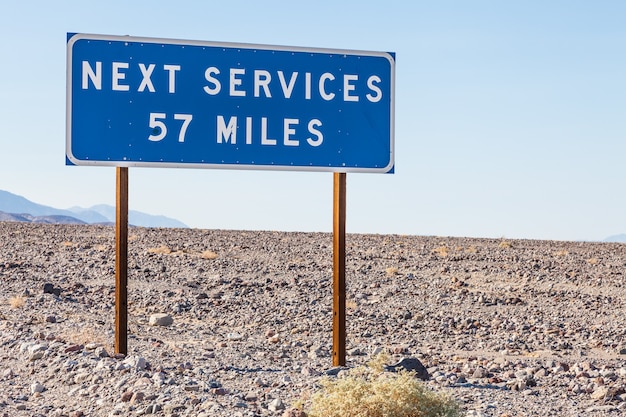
339 269
121 261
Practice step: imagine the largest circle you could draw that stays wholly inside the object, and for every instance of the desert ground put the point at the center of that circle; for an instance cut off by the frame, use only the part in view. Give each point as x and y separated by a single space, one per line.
239 323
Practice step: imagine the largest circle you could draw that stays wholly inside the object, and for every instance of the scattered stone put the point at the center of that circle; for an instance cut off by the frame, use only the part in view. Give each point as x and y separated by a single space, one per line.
276 405
251 397
491 322
161 319
73 348
600 393
234 336
36 387
137 397
294 412
412 365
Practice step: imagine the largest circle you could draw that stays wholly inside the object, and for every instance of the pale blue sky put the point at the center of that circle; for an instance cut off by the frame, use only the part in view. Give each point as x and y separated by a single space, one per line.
510 116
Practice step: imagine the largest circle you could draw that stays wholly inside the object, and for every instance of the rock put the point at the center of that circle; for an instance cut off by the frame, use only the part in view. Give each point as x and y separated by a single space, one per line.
161 319
479 373
36 387
137 397
48 288
600 409
276 405
101 352
354 352
193 387
376 351
412 365
308 371
136 362
251 397
294 412
73 348
600 393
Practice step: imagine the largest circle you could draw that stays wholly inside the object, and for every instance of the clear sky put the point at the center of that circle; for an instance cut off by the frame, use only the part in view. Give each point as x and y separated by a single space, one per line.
510 116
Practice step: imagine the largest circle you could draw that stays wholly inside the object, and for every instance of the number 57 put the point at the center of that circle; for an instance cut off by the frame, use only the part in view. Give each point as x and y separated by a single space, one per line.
159 129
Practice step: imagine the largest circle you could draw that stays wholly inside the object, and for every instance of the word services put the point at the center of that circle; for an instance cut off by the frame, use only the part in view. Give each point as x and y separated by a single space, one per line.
155 102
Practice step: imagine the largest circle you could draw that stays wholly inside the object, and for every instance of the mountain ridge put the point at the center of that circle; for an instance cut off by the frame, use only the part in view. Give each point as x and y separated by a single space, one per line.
14 207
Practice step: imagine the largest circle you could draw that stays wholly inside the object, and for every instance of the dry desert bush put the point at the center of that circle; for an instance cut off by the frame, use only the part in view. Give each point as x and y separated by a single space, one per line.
369 391
391 271
17 302
441 251
207 254
87 335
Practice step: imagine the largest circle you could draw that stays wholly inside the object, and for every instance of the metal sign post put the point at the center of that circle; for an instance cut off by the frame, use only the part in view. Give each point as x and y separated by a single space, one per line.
339 269
121 261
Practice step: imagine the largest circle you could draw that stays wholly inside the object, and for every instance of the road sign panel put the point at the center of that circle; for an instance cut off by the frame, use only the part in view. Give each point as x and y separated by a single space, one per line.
158 102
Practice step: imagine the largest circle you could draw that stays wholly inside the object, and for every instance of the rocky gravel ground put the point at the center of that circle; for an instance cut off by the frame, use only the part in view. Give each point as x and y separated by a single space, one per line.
239 323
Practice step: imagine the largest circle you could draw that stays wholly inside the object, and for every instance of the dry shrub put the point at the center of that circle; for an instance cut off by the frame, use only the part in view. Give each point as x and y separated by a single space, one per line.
471 249
17 302
166 250
207 254
505 244
562 252
85 335
161 250
371 392
391 271
593 261
441 251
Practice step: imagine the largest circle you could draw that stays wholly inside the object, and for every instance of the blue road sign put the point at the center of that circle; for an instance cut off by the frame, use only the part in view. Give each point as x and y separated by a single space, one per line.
158 102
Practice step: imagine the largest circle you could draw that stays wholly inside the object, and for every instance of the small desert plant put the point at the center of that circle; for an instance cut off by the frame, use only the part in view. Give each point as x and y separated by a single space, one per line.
369 391
17 302
471 249
161 250
391 271
505 244
207 254
441 251
87 335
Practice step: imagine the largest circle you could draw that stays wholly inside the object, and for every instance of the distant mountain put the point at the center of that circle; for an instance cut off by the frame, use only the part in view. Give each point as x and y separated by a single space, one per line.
11 217
136 218
27 218
616 238
17 208
12 203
